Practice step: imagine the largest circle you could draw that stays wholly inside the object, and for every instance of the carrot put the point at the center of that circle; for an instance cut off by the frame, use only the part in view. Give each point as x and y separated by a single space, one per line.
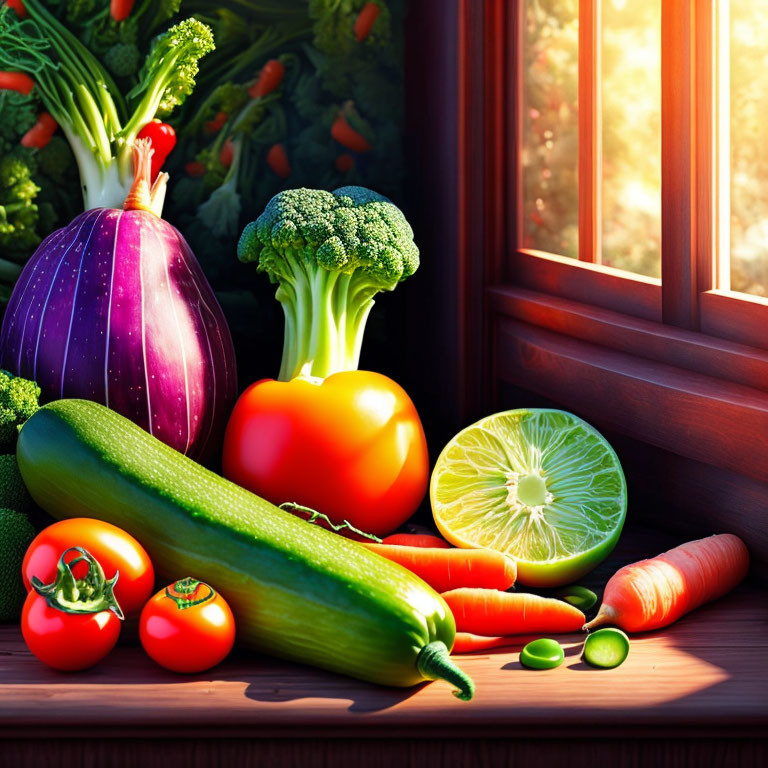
16 81
41 132
120 10
193 168
365 20
445 569
345 163
491 612
347 136
654 593
18 6
215 125
277 160
416 540
227 153
466 642
270 77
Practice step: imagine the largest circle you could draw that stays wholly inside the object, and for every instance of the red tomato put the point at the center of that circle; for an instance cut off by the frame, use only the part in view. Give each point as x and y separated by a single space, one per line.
67 641
115 550
350 446
187 627
163 140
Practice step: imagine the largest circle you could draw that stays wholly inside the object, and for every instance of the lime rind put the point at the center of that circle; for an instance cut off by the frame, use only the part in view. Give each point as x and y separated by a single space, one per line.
477 478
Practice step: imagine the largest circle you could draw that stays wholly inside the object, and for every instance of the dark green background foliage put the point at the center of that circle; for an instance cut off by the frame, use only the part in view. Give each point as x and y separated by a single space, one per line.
326 70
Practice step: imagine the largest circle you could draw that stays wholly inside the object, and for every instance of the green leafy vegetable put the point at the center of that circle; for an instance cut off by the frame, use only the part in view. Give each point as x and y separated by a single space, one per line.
16 534
84 100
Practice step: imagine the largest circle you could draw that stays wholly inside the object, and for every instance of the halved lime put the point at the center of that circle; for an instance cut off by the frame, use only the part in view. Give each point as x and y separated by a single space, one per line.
539 485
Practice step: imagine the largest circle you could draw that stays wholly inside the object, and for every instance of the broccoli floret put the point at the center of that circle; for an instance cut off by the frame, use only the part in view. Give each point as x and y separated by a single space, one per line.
19 399
13 492
168 74
122 59
16 534
330 253
18 211
55 158
334 26
19 114
230 98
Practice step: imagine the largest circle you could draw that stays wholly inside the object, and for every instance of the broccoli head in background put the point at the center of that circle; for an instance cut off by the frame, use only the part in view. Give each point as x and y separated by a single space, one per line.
13 492
19 399
330 253
16 534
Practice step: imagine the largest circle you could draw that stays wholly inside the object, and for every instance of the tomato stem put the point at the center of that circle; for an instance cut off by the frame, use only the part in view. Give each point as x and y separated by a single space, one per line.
314 516
188 592
91 594
434 663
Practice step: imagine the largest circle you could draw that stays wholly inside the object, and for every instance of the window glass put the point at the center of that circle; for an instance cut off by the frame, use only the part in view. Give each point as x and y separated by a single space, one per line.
749 146
549 140
631 112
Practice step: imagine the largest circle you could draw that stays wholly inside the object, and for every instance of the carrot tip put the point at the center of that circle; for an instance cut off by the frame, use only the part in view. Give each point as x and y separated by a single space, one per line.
606 615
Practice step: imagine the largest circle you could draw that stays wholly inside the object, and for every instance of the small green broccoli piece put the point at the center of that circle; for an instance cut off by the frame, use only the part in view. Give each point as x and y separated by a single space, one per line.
230 98
55 158
80 10
122 59
334 26
19 399
18 211
330 253
13 492
19 115
16 534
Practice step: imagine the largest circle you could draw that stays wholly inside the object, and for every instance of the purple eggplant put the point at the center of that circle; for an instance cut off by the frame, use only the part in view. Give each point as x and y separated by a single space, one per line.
115 308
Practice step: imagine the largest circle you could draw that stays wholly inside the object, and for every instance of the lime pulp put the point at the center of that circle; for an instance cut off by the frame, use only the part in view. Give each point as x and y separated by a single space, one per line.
539 485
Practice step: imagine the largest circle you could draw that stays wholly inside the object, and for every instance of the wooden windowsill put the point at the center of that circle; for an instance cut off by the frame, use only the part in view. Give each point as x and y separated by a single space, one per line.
704 677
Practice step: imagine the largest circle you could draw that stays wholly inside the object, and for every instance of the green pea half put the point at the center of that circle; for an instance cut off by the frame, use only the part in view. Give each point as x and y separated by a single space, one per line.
542 654
606 648
581 597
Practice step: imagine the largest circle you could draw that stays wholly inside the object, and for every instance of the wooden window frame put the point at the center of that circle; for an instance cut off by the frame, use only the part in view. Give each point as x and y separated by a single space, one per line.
686 299
677 365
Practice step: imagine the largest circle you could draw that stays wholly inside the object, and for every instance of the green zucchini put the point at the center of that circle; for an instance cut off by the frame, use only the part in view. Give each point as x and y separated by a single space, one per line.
297 591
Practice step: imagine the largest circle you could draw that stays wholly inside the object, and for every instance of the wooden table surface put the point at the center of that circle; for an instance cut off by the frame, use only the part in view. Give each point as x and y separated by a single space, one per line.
705 677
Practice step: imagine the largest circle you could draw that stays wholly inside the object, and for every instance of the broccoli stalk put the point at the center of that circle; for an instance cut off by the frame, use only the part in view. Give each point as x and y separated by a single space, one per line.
84 100
330 253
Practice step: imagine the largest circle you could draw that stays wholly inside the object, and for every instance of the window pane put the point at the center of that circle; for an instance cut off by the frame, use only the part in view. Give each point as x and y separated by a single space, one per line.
549 151
749 146
631 95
